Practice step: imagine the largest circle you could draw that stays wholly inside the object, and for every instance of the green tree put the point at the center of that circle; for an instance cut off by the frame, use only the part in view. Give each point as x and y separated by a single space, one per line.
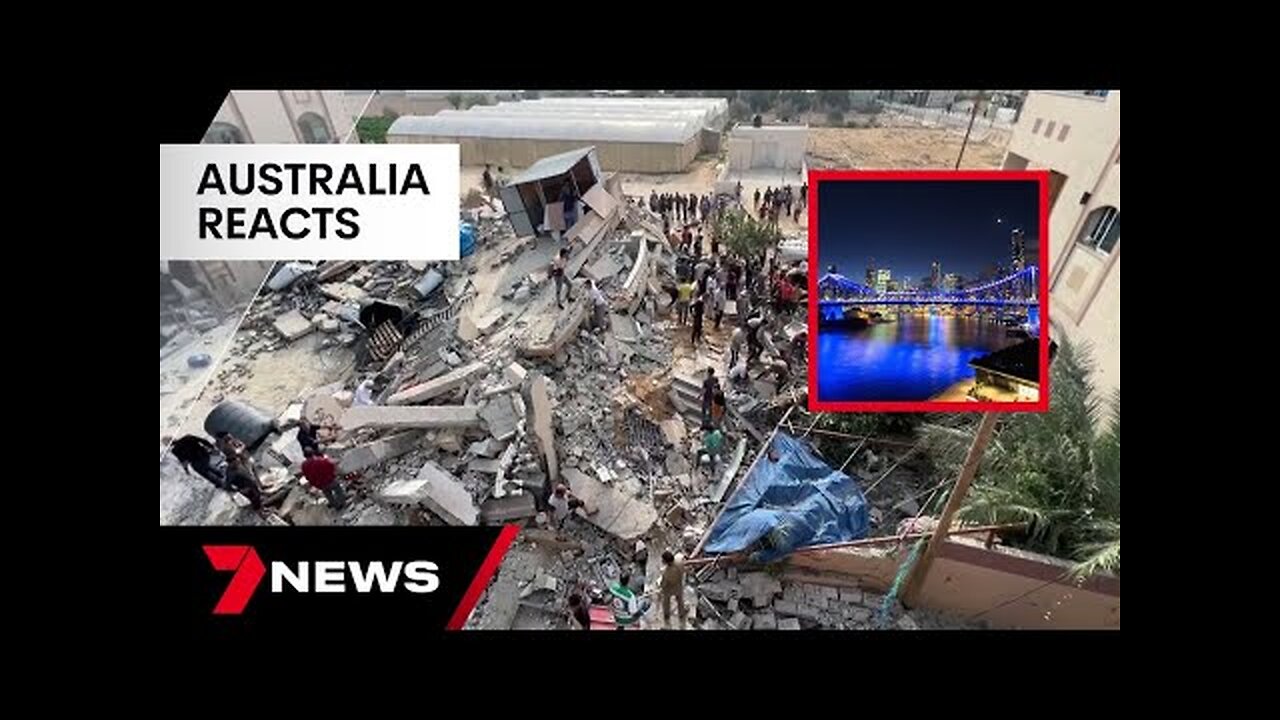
739 111
1057 471
374 129
761 100
799 100
455 99
742 235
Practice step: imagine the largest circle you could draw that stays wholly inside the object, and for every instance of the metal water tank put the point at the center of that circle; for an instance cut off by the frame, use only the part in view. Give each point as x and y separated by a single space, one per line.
246 423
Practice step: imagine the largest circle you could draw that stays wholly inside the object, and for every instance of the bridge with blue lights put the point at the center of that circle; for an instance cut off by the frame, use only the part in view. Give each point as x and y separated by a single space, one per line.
1018 289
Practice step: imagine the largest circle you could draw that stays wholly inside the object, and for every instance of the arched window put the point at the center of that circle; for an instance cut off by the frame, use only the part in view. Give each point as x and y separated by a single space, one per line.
313 128
221 133
1101 229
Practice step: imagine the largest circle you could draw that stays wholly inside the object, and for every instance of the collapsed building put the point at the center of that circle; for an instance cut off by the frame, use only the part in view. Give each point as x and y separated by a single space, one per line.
462 394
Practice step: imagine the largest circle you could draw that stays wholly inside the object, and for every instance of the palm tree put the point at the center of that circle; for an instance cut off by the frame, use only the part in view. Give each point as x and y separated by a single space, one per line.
1057 471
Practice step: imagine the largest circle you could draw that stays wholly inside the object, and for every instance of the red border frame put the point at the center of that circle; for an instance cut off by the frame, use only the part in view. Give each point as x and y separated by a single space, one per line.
816 177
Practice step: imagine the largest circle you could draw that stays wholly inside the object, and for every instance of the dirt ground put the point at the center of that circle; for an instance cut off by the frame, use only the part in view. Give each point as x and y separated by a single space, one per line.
902 147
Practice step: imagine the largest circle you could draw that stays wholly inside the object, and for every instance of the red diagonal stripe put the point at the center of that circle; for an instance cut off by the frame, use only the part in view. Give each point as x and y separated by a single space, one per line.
249 571
483 576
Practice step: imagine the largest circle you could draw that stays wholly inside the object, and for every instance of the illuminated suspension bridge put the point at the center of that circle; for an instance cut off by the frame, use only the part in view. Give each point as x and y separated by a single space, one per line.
1018 289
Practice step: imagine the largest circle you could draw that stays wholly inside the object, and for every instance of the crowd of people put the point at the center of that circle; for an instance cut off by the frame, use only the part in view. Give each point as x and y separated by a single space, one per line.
785 201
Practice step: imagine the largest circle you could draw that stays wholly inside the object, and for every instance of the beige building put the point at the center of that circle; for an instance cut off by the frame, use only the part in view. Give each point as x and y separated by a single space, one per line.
1076 136
287 116
771 146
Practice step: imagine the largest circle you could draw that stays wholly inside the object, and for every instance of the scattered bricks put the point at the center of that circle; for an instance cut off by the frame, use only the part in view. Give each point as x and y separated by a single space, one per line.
824 592
369 454
764 621
292 325
449 442
342 292
871 600
760 587
740 621
719 592
808 612
789 624
484 465
795 593
516 373
851 595
439 386
858 615
785 607
487 448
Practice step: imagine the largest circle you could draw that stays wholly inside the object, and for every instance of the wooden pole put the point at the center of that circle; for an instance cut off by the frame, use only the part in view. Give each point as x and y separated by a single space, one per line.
916 581
972 114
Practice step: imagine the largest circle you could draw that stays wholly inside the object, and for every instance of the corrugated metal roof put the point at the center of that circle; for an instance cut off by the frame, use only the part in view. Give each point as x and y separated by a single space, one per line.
551 166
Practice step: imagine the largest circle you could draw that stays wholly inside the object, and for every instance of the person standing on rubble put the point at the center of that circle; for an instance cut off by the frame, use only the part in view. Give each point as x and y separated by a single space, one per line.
562 504
578 612
196 453
672 586
686 239
307 436
697 246
697 307
558 265
718 301
709 387
322 474
487 180
736 340
569 197
653 201
684 295
599 307
804 195
628 607
240 472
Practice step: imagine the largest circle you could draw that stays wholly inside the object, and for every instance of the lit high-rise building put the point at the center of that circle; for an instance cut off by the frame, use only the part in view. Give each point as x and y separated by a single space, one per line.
935 275
882 280
1018 249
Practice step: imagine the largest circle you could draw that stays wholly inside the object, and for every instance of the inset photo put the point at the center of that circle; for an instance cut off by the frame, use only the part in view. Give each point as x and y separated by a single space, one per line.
930 291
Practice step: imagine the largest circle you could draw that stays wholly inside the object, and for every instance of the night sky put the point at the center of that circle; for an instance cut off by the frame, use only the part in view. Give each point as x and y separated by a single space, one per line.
907 224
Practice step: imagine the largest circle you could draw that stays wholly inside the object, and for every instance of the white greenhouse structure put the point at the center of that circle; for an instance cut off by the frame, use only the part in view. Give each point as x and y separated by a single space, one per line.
655 135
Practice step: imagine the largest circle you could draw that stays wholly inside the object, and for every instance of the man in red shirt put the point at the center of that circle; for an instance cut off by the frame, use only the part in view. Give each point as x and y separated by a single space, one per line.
322 473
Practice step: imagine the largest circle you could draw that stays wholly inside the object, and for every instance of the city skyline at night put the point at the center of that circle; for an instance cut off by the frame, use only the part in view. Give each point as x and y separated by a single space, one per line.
905 226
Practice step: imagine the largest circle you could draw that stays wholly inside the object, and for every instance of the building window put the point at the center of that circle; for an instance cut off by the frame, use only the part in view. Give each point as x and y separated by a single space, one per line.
1102 229
221 133
1063 134
313 129
1035 129
1048 132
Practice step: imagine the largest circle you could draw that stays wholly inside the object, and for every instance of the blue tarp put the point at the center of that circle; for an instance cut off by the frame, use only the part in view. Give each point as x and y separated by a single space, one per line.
466 239
796 500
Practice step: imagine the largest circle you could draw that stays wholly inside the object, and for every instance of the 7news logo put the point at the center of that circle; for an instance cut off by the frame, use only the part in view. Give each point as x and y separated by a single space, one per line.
326 576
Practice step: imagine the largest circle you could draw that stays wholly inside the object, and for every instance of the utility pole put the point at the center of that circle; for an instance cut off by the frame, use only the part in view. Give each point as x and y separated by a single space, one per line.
918 574
972 115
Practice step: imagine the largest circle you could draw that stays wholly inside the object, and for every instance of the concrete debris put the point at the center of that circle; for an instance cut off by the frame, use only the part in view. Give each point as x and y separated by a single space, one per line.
374 453
740 621
292 325
435 416
439 386
343 292
604 268
617 514
540 583
495 511
516 374
673 431
731 471
484 465
624 328
329 325
765 620
542 429
789 624
677 463
501 417
436 489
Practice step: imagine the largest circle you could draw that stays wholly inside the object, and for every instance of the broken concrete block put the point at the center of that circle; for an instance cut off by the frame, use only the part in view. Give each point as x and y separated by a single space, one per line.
417 265
512 507
605 267
764 621
542 417
435 416
439 491
851 595
467 330
673 431
859 615
487 448
315 514
484 465
611 511
449 442
500 415
677 464
541 583
679 514
373 453
516 373
719 592
740 621
433 388
342 292
785 607
287 446
486 323
329 325
906 622
292 325
789 624
730 471
624 328
760 587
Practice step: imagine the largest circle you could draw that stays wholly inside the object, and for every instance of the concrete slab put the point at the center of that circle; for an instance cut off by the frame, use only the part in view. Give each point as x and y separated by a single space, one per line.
489 466
436 489
436 416
624 328
542 415
512 507
287 447
501 417
516 373
731 470
605 267
342 292
673 430
617 514
369 454
292 325
448 382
